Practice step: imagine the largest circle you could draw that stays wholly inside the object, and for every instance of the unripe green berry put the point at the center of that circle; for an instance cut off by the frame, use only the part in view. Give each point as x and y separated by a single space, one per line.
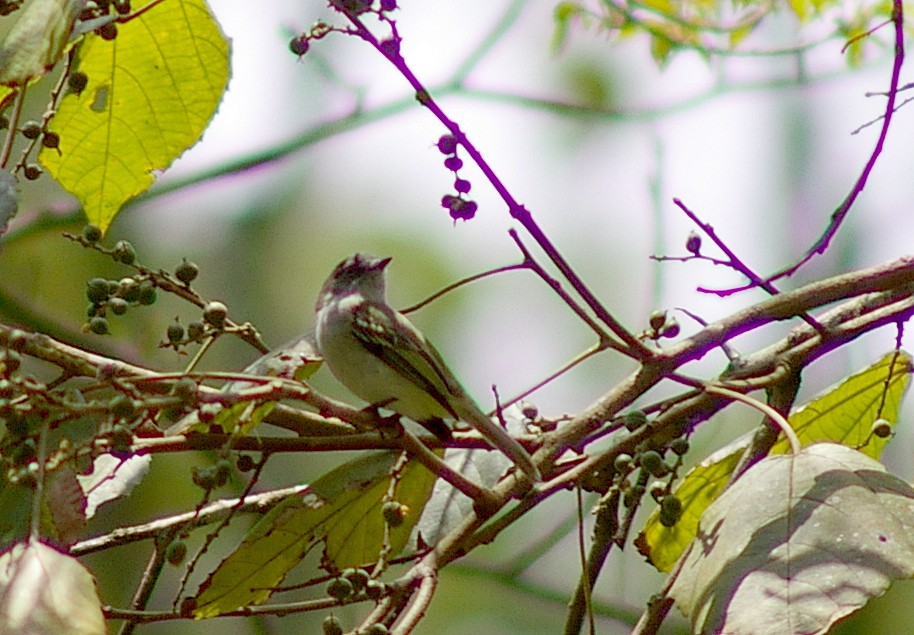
203 477
118 306
652 462
331 626
622 462
195 330
679 446
92 233
98 325
175 332
375 590
97 290
186 272
634 420
146 294
339 588
122 407
176 552
215 313
358 577
124 252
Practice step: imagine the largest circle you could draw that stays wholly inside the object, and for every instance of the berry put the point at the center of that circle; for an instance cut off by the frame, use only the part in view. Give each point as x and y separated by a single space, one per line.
670 510
97 290
124 252
374 590
245 463
693 243
358 577
129 289
195 330
92 234
394 513
50 140
31 129
122 407
215 313
388 5
98 325
122 6
33 171
176 552
657 320
186 389
108 32
462 185
652 462
186 271
881 428
679 445
203 477
175 332
447 144
377 629
634 420
146 293
339 588
657 490
223 471
622 462
331 626
77 81
671 328
453 163
118 306
299 45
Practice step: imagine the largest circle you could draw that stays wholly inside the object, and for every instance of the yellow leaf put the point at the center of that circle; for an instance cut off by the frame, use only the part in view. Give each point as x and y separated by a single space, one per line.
151 92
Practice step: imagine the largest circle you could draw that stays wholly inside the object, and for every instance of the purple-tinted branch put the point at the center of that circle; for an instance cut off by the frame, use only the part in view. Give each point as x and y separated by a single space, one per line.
838 216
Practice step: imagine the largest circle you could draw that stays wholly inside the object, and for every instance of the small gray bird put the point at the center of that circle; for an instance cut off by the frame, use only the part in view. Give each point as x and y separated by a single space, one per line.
380 356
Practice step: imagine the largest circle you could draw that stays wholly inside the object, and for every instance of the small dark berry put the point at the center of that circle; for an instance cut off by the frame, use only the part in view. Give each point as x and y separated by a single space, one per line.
124 252
175 332
108 32
33 171
388 5
203 477
671 328
92 233
245 463
50 140
98 325
374 590
299 45
453 163
31 129
447 144
394 513
358 577
657 320
882 428
693 243
122 407
186 272
176 552
652 462
77 81
122 6
331 626
215 313
97 290
462 185
223 471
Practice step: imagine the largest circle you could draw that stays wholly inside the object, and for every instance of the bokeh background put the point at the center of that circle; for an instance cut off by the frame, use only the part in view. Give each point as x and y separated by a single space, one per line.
760 146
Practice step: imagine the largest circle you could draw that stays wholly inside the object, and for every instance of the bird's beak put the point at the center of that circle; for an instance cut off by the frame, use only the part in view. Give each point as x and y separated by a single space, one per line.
381 263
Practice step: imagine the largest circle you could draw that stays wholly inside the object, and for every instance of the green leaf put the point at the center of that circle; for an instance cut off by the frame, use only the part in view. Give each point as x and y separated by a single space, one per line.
843 414
342 508
37 39
797 543
151 93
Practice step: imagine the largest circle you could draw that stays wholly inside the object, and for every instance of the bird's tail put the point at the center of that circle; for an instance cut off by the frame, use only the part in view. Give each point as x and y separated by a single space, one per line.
502 441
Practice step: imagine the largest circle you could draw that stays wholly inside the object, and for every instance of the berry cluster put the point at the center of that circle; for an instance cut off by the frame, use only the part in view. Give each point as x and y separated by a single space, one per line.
457 206
300 44
94 9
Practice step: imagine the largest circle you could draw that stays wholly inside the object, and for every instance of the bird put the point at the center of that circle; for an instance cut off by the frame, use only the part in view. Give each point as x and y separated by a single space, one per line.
381 357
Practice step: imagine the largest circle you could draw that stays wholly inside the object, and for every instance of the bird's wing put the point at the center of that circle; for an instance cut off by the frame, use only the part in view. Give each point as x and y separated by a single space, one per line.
395 341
